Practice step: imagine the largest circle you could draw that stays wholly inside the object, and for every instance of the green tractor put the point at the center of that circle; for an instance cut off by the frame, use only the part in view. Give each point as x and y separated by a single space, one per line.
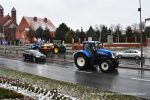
59 47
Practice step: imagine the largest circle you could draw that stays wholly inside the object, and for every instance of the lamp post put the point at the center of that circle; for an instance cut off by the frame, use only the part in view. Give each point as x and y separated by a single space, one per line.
139 9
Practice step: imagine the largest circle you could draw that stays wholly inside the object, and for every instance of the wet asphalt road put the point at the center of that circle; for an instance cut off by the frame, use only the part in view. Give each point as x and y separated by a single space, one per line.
127 81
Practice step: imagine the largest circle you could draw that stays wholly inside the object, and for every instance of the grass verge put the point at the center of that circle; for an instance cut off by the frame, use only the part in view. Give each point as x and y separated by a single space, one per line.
74 90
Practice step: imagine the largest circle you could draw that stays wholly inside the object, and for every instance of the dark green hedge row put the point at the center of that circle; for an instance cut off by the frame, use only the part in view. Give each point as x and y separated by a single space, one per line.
7 94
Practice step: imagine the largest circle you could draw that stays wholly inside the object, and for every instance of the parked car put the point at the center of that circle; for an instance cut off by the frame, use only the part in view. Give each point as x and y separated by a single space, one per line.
33 55
130 53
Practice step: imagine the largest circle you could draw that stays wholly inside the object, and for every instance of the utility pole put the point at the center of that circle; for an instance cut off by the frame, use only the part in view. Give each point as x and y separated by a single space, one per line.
139 9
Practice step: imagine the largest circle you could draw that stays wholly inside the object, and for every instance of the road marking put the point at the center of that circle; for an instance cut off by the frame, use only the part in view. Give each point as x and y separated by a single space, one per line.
139 79
85 72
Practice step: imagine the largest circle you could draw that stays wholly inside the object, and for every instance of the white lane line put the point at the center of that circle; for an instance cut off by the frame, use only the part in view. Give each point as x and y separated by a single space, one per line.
139 79
85 72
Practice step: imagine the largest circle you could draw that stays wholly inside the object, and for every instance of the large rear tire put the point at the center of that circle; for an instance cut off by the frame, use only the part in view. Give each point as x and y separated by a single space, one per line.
56 50
81 61
106 66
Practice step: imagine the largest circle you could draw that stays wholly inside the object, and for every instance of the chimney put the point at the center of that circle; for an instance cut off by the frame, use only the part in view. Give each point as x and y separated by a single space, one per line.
45 20
35 19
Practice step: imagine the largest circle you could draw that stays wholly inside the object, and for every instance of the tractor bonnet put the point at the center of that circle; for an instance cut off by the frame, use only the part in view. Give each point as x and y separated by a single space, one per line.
105 52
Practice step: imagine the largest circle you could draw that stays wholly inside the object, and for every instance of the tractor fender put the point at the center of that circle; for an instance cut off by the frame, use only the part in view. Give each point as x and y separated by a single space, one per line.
82 52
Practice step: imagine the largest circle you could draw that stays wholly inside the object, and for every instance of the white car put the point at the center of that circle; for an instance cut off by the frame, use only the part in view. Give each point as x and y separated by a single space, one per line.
130 53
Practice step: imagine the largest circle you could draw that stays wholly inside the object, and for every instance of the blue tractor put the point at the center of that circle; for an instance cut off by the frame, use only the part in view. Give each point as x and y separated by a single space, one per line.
35 46
93 54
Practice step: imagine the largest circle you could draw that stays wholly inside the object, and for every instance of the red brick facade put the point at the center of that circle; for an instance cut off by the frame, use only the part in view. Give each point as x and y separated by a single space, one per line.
8 25
21 32
34 23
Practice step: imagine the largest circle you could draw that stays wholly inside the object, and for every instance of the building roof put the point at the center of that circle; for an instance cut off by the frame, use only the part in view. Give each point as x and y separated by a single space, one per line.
12 25
7 23
1 7
4 19
40 22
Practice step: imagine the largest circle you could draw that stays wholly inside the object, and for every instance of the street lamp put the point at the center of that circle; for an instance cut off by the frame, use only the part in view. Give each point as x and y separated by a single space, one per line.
139 9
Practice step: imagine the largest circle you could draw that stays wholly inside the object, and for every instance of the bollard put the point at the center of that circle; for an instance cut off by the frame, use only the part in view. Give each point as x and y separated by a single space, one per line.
17 81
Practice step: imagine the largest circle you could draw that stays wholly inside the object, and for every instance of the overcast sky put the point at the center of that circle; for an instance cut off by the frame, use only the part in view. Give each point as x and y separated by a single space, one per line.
80 13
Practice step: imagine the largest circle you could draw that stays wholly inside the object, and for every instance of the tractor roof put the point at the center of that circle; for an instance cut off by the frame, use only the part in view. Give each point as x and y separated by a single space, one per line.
90 42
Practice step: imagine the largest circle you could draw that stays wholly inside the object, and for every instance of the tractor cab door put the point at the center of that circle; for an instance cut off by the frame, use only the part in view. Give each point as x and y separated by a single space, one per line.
89 48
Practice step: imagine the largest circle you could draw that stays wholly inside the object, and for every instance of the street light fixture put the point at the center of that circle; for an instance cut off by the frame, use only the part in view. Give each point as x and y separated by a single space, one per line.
139 9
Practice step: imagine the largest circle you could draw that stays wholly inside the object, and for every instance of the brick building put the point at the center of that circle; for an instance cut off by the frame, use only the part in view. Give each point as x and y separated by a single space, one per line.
8 25
34 23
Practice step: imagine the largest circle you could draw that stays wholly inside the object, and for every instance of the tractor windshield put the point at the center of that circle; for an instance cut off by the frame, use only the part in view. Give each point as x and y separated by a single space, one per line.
97 46
91 46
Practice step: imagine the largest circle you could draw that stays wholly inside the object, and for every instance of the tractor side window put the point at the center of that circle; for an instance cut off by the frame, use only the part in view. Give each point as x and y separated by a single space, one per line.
92 47
86 47
97 46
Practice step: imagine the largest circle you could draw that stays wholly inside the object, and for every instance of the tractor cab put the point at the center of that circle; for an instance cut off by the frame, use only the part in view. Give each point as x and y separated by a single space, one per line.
57 42
91 46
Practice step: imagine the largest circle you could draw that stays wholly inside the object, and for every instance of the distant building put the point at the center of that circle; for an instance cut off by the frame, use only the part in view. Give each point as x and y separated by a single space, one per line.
8 25
34 23
147 22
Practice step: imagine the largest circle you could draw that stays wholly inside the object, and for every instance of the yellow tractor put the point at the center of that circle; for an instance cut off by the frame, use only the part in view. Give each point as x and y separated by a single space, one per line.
58 47
55 47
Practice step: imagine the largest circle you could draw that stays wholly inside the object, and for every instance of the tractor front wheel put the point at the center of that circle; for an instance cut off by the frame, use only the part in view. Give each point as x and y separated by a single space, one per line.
81 61
62 49
106 66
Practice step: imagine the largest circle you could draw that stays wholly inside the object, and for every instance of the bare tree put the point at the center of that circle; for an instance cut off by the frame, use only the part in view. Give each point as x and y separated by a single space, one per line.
118 27
112 27
135 27
99 28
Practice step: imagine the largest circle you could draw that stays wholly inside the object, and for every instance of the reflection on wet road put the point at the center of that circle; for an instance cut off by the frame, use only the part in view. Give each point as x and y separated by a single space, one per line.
68 59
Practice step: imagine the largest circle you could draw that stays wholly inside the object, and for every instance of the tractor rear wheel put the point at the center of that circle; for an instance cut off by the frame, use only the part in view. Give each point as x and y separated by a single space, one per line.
81 61
106 66
56 50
